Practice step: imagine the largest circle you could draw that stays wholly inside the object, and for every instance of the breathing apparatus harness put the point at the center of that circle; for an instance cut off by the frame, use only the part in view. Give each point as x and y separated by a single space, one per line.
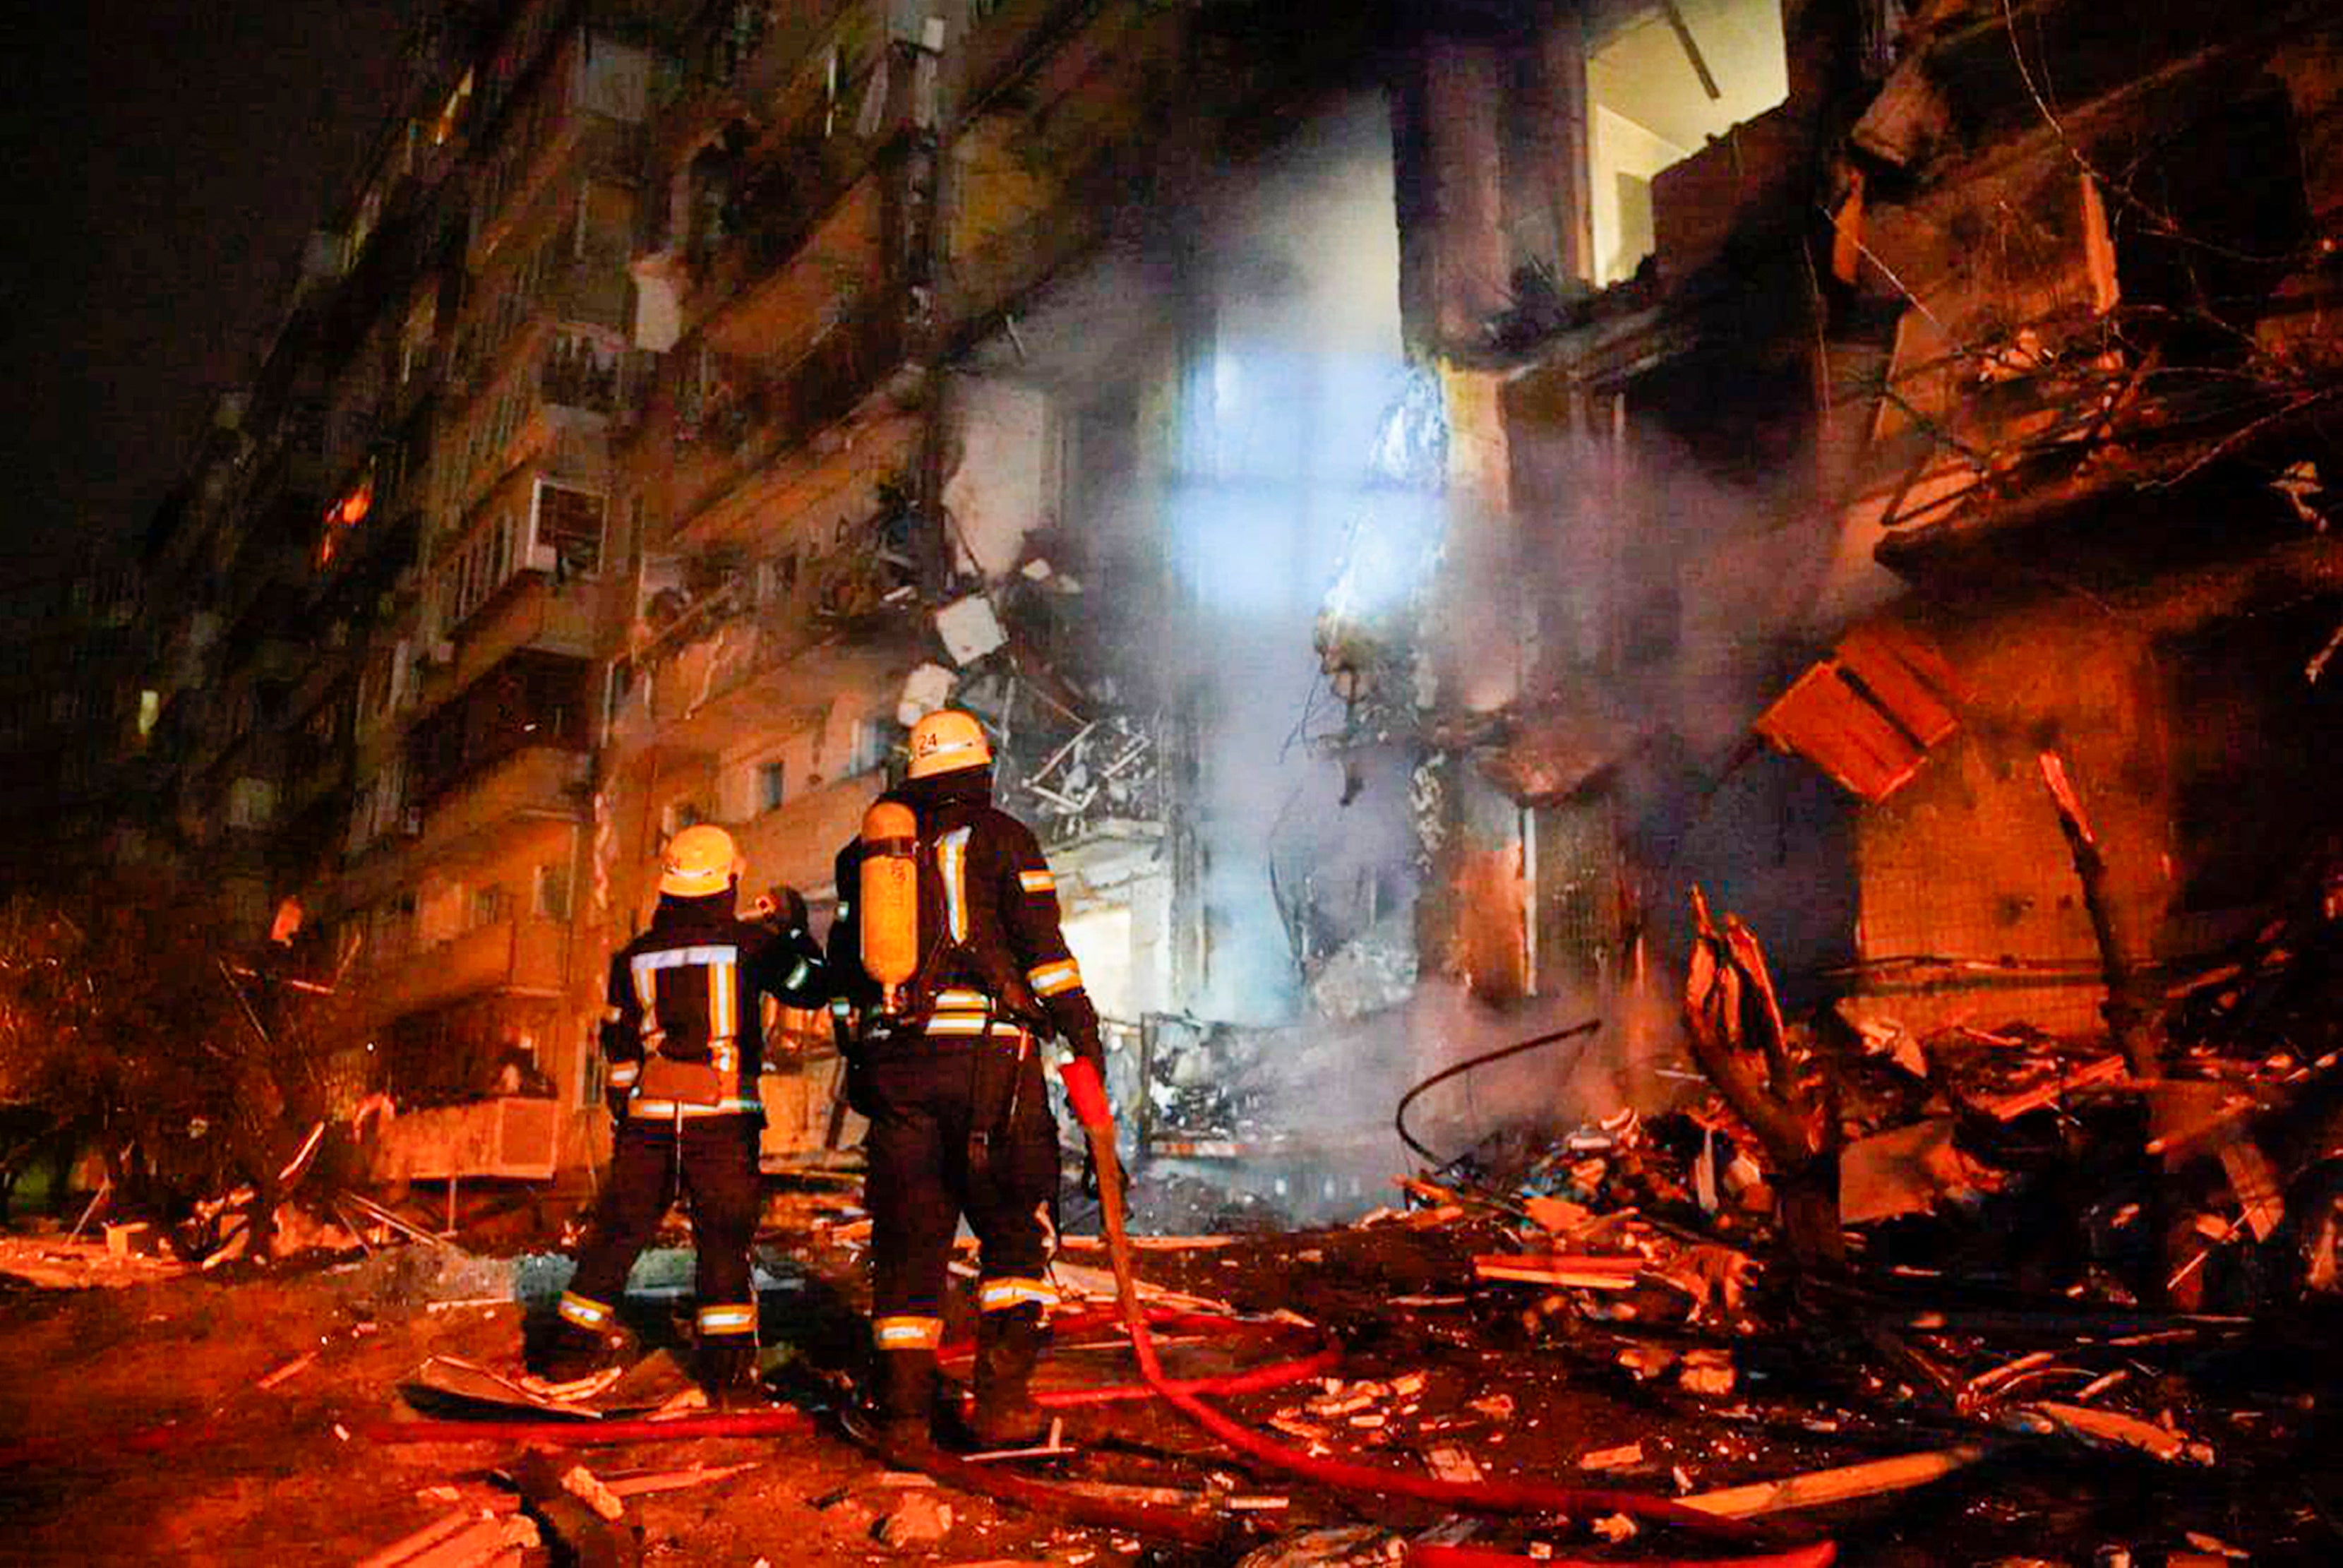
899 851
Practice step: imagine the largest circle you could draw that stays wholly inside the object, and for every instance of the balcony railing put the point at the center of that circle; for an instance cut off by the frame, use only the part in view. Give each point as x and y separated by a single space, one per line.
750 51
513 955
543 781
748 421
507 1137
584 371
587 146
802 247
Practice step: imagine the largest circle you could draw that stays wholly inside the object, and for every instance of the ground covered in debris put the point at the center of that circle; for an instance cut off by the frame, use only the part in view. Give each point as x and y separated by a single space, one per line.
245 1414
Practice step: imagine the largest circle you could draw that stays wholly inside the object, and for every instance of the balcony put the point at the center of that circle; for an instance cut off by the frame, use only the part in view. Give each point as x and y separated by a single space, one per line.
774 287
1063 107
585 146
524 957
315 778
509 1137
1010 237
575 384
533 615
522 814
820 437
543 782
764 675
798 844
1007 42
734 72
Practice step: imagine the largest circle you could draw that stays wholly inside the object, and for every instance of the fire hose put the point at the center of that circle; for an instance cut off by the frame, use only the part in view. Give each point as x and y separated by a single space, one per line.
1399 1115
1491 1496
1176 1525
1215 1325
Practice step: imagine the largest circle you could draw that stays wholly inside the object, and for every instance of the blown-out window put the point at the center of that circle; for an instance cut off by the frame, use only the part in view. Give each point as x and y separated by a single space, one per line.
1661 80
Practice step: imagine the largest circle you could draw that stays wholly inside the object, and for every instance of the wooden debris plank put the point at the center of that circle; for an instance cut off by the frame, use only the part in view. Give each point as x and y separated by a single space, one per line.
1152 1243
1585 1272
1898 676
1815 1488
1822 720
2107 1072
2106 1426
2184 1113
1099 1282
430 1535
468 1534
2255 1181
1128 1491
455 1378
486 1541
676 1480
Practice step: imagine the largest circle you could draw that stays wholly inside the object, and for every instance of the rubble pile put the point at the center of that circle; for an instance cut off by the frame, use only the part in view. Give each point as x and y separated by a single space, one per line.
1258 1085
2045 1253
1105 769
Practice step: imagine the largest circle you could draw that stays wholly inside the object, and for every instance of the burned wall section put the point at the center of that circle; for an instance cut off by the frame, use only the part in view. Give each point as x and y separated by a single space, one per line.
2083 456
2255 719
1967 862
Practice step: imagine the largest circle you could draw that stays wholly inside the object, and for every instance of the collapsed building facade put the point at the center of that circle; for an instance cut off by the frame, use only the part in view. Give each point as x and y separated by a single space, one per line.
1411 490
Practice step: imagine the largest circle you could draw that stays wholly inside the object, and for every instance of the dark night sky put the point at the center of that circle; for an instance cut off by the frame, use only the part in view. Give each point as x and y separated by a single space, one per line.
165 160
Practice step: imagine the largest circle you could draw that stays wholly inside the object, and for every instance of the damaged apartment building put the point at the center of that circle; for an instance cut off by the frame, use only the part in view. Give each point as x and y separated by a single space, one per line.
1412 489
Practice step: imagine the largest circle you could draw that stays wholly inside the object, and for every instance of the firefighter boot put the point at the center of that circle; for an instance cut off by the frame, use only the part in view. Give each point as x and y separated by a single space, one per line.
573 1358
726 1367
906 1399
1008 1341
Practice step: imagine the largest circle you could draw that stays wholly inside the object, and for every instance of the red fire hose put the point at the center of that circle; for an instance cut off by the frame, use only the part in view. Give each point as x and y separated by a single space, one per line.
1488 1496
1492 1496
1419 1555
590 1434
1215 1325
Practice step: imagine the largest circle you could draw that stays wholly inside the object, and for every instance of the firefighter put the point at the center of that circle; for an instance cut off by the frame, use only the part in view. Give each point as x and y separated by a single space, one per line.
684 1038
947 948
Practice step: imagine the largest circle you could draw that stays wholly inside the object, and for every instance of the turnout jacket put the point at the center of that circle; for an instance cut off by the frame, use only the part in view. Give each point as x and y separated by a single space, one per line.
683 1032
991 943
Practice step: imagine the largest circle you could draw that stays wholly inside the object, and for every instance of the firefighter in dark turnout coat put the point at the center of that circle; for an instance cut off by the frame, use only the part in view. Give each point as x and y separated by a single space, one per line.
684 1038
951 1077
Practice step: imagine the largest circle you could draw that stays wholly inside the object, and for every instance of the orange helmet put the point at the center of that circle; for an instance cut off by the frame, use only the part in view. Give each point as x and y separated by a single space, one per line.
700 860
946 742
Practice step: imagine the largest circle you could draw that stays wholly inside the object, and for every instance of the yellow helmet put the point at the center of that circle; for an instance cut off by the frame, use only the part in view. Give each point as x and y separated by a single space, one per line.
700 860
946 742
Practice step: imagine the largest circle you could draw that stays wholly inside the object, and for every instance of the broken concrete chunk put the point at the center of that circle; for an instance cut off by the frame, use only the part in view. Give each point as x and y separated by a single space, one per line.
1706 1372
587 1487
1907 1170
970 628
921 1519
136 1238
1559 1215
1453 1464
1647 1362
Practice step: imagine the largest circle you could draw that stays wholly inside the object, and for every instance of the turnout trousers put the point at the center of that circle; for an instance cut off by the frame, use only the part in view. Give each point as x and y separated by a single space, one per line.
923 1098
712 1161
